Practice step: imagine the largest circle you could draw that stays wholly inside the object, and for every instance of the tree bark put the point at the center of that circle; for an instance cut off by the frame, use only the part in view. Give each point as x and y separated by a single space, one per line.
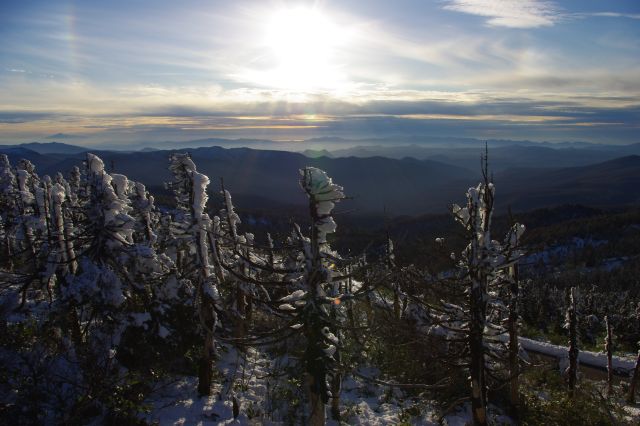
631 398
206 312
317 412
205 370
336 383
336 378
241 311
476 347
208 320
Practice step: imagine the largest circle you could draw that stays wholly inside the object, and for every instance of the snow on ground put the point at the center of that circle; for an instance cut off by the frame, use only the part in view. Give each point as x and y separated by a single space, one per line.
555 255
179 404
362 402
370 404
632 413
461 416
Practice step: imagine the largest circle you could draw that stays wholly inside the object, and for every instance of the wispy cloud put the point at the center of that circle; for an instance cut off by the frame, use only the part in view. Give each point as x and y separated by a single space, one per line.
512 14
389 113
19 117
525 13
17 70
611 15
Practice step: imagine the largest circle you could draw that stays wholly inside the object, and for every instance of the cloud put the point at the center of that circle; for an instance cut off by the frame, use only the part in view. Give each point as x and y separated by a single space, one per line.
390 114
525 13
611 15
18 117
511 14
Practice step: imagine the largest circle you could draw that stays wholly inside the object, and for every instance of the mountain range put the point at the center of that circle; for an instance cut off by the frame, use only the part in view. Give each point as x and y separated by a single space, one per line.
526 177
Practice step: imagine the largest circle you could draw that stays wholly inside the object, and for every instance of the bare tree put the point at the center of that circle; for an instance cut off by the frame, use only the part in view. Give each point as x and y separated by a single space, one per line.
608 347
572 325
631 397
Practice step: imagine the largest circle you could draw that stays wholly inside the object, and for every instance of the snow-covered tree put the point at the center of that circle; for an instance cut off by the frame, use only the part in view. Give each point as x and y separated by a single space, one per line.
314 312
390 266
484 268
239 248
193 227
8 206
309 269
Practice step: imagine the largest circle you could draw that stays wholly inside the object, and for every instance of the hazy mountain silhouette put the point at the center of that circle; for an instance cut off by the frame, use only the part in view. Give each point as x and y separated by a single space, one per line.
403 186
50 147
500 157
269 179
611 183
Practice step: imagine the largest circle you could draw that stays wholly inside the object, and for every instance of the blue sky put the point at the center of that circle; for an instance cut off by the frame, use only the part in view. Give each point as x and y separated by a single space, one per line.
130 71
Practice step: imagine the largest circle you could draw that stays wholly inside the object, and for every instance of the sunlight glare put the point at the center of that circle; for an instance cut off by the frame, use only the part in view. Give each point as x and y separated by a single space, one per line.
304 43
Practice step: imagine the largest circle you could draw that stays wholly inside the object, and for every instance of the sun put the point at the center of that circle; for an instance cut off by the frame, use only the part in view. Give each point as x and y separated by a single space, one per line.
303 43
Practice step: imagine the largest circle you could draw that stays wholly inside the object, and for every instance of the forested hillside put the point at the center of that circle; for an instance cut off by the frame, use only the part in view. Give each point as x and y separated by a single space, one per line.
529 177
117 309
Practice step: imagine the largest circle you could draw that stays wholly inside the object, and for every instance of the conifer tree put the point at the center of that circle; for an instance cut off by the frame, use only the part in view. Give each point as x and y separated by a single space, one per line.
320 335
194 226
484 269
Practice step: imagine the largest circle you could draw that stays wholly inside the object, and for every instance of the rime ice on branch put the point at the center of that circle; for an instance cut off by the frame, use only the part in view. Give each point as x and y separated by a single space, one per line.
190 188
315 317
485 264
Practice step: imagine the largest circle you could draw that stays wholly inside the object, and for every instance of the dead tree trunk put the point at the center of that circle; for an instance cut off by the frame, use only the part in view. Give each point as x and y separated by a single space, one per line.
316 364
207 319
608 347
572 322
241 311
316 414
205 368
336 384
631 398
396 303
241 304
514 367
479 268
476 347
395 286
201 224
322 344
336 378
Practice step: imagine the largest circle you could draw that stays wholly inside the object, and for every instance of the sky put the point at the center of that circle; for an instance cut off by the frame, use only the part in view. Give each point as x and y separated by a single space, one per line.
134 72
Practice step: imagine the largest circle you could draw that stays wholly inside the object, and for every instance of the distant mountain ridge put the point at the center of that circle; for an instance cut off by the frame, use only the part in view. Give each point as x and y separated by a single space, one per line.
49 147
501 157
328 143
610 183
401 186
406 186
